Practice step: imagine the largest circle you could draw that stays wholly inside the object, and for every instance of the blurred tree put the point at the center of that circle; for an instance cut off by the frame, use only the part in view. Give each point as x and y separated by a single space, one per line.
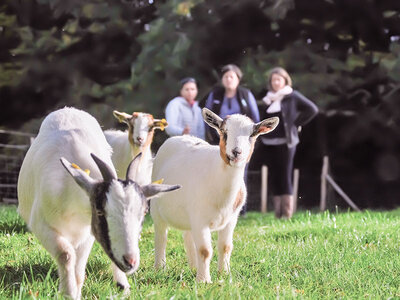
131 54
102 55
68 53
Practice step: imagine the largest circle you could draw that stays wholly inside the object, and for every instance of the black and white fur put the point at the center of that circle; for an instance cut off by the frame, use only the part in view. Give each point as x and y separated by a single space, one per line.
67 218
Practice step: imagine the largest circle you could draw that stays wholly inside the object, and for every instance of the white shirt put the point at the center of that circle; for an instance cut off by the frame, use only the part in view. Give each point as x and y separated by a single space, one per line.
179 113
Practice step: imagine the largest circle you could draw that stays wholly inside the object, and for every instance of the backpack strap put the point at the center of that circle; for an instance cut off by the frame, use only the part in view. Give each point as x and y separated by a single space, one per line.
218 95
242 95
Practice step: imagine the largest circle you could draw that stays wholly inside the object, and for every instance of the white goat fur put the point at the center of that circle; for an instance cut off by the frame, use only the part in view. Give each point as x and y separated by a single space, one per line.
60 213
213 189
137 139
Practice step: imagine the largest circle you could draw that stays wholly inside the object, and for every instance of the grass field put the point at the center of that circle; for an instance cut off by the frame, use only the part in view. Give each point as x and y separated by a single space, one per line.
312 256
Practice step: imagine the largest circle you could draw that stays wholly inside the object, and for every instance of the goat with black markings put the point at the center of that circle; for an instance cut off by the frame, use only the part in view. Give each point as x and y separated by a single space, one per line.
67 218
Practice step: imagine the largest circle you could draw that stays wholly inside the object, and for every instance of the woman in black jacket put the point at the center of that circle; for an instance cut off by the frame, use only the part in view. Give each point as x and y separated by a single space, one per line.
279 146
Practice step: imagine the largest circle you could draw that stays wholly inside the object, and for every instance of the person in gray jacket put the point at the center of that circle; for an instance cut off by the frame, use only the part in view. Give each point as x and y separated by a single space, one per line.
279 147
183 113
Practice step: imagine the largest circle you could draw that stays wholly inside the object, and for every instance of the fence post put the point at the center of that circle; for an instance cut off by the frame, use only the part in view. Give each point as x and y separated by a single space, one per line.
296 177
264 188
324 173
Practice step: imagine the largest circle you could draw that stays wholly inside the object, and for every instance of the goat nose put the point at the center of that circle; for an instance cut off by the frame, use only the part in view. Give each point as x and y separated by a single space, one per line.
236 151
139 139
129 259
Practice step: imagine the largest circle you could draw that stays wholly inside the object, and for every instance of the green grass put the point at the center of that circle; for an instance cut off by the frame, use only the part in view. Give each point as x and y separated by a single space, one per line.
314 255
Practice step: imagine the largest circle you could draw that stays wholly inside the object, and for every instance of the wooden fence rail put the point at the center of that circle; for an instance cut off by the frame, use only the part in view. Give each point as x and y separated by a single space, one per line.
325 180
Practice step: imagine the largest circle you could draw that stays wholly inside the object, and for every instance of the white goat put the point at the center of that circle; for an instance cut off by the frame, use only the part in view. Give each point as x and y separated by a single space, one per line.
136 139
213 189
63 216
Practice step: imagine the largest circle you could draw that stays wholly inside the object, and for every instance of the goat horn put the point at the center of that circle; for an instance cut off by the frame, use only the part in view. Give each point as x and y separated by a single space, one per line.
106 171
133 167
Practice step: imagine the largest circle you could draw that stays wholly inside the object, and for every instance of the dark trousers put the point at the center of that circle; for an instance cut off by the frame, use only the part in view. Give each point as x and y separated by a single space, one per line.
279 159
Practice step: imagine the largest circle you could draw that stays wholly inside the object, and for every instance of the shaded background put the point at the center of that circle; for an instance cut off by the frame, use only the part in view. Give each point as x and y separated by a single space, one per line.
129 55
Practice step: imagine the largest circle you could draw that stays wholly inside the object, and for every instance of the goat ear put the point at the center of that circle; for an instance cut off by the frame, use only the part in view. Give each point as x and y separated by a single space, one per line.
265 126
122 117
133 167
81 177
106 171
161 124
152 190
211 118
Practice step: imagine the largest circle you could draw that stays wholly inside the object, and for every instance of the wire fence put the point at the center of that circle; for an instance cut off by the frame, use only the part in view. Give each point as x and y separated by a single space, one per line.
13 146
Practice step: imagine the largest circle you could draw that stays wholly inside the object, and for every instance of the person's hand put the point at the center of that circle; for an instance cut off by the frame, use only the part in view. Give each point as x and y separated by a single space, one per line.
186 130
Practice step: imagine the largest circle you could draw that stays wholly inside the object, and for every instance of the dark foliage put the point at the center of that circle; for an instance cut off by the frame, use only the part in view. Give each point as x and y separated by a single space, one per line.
129 55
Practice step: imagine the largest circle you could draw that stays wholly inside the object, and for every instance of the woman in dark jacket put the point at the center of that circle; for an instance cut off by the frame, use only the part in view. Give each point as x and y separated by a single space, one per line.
279 146
230 98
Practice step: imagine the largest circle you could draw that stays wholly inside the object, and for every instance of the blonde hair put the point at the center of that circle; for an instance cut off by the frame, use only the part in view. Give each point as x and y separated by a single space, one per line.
281 72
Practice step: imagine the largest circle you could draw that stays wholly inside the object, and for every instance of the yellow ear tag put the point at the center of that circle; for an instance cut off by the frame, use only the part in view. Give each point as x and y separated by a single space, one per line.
75 166
160 181
163 124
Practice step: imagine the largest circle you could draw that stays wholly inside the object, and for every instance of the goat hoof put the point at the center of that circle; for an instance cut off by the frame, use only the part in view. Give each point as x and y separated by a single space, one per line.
161 266
203 280
123 287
